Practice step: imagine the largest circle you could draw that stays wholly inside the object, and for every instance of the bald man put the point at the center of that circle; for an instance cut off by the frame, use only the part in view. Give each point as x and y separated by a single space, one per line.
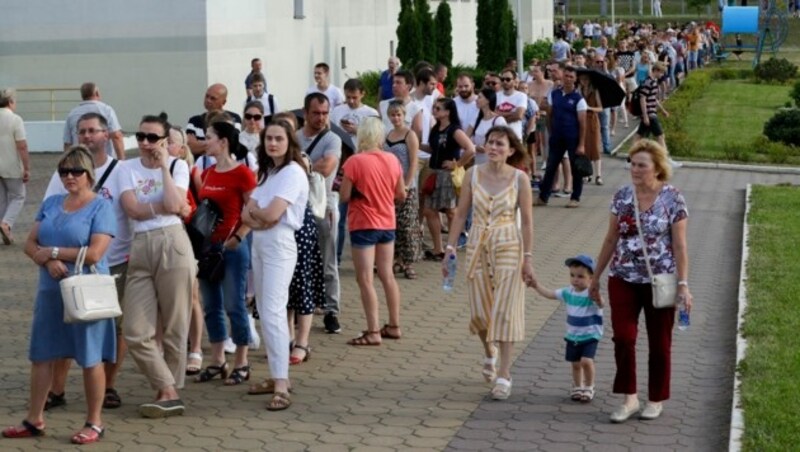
216 97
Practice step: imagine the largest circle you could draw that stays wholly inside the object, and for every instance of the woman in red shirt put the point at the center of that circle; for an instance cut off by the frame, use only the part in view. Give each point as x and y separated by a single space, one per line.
229 184
372 182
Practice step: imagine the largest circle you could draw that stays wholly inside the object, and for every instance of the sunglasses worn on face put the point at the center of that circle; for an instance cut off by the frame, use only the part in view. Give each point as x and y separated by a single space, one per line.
506 79
255 117
150 137
75 172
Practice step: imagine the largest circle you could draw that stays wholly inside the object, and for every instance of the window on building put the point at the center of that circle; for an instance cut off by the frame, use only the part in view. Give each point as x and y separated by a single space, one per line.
299 10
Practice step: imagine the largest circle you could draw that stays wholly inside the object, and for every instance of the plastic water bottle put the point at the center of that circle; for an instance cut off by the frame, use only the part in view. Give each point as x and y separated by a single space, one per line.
449 279
683 314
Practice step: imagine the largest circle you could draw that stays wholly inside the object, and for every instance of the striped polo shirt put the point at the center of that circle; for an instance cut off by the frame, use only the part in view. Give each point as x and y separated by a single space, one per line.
584 317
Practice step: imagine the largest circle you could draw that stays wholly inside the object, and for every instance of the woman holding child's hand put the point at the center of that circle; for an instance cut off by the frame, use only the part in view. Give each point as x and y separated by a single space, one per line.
663 218
499 261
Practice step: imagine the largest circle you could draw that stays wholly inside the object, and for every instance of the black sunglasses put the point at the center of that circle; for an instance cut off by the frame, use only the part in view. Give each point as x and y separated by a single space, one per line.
506 79
491 83
76 172
150 137
255 117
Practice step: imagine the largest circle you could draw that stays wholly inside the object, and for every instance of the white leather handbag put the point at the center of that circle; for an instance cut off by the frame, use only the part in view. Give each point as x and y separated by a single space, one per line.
89 297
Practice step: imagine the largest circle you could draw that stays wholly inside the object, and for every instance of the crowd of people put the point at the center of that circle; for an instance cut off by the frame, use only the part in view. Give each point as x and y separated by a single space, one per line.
289 188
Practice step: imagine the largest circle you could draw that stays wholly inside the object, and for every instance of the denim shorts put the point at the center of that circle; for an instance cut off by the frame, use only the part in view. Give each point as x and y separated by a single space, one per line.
366 238
578 350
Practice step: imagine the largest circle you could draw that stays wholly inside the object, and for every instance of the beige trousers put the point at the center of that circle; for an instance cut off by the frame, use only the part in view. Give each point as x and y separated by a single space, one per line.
161 271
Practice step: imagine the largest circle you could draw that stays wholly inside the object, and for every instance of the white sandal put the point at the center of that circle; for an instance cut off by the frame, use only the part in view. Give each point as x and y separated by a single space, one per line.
502 389
194 368
489 374
576 393
587 395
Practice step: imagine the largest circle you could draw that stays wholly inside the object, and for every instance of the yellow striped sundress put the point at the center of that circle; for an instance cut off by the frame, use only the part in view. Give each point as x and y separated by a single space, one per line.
494 264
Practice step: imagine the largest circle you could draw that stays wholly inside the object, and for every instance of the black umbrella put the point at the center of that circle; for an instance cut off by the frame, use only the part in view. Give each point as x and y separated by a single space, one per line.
347 140
611 94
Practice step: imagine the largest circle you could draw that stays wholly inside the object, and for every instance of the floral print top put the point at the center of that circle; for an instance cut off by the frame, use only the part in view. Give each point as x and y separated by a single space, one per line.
628 261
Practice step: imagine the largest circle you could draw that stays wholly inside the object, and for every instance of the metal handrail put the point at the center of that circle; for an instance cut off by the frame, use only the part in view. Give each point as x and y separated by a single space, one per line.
52 98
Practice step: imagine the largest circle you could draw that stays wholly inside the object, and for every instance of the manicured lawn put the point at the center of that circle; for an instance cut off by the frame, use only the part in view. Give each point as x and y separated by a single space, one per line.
771 368
730 115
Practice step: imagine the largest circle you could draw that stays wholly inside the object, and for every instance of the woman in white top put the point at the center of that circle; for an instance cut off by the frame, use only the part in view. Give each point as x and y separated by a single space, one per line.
161 269
274 212
487 118
253 125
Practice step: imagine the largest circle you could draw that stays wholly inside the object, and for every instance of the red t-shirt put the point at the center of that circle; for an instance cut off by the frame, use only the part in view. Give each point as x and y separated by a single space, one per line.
374 174
227 191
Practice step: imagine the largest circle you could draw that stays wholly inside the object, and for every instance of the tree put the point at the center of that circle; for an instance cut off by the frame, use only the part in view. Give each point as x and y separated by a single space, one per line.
409 34
422 9
486 30
508 26
444 34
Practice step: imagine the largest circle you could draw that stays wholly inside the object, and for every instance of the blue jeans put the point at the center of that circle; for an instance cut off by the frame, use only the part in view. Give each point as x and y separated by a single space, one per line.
341 231
227 296
605 134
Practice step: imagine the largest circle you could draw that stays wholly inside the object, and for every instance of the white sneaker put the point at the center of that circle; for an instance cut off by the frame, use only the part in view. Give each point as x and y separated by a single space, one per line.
674 163
255 339
230 347
652 410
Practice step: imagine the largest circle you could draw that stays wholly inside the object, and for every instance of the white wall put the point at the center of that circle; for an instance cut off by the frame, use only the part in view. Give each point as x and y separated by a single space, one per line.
152 55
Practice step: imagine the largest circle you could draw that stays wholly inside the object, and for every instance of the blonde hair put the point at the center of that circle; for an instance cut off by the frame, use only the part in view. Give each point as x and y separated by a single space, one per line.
79 156
370 134
659 156
187 155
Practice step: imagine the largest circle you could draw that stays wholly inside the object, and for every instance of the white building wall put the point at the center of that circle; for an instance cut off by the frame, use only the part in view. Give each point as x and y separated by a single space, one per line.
153 55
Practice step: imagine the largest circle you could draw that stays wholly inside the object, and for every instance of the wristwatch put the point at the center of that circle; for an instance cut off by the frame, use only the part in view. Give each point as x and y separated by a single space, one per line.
54 253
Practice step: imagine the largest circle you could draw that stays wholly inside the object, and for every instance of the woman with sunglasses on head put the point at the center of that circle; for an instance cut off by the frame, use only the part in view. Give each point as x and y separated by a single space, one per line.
64 224
162 268
446 142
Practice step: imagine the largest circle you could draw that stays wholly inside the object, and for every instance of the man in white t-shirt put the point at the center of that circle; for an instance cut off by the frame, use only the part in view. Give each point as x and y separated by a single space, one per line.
258 88
323 85
90 95
466 101
561 49
511 104
92 131
350 114
402 83
425 94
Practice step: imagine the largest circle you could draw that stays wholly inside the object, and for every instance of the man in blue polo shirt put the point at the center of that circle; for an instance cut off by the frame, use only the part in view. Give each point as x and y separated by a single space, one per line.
566 109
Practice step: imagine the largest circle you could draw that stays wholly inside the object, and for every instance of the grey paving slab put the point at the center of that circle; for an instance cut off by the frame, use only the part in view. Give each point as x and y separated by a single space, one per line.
425 392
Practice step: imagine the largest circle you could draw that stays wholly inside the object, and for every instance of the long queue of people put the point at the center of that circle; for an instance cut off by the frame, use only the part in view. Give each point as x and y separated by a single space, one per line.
288 190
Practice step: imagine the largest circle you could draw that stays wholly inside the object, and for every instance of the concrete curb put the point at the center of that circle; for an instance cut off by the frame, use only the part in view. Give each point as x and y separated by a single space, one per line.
729 166
737 413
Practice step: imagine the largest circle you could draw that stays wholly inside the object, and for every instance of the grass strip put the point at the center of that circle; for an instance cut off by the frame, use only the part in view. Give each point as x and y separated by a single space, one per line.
770 371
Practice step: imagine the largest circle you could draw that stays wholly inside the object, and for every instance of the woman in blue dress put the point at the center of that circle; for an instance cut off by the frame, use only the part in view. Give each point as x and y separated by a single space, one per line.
64 224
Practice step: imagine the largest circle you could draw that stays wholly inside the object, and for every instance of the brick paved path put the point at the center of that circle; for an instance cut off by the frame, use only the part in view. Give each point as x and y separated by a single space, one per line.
424 392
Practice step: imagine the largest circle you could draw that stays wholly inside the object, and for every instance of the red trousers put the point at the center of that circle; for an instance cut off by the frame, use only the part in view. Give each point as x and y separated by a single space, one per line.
627 301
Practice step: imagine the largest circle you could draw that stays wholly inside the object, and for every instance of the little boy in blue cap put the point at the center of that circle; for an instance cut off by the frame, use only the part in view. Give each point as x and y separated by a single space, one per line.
584 324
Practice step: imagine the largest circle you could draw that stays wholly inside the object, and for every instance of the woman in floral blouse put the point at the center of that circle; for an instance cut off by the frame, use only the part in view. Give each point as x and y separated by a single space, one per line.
663 216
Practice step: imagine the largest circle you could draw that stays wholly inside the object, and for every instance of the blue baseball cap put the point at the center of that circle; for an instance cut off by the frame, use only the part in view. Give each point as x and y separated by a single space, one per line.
582 260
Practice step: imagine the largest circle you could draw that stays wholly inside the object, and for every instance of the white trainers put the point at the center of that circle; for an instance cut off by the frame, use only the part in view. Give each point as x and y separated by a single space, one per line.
230 347
622 413
652 410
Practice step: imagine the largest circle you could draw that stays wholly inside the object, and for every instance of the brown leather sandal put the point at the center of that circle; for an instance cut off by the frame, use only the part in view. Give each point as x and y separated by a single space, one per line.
364 339
386 334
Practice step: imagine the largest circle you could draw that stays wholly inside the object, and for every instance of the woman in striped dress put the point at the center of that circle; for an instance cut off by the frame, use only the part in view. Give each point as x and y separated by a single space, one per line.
499 257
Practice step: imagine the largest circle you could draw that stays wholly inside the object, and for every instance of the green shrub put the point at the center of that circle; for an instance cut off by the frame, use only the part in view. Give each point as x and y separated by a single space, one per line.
540 50
472 71
680 144
737 151
679 104
372 86
784 127
778 70
731 74
795 94
778 153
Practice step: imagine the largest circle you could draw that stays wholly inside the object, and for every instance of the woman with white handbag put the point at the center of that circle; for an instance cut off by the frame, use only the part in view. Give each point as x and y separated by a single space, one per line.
645 245
64 225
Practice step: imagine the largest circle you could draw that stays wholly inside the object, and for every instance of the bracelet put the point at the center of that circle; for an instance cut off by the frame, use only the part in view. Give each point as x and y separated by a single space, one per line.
683 282
236 236
450 247
528 254
152 209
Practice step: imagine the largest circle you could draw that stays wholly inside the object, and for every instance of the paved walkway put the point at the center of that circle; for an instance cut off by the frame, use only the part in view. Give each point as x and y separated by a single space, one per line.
424 392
